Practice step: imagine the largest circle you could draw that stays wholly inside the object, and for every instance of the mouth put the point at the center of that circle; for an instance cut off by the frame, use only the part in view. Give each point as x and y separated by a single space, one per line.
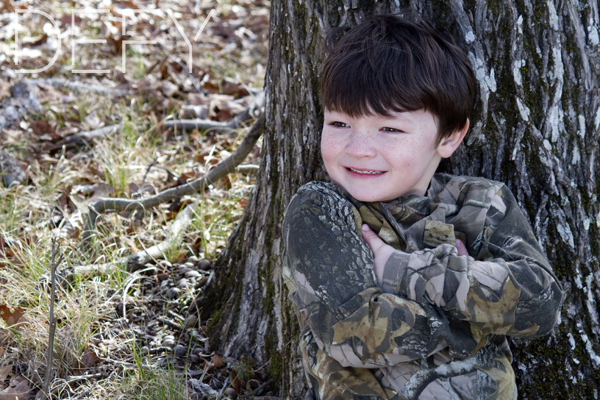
365 171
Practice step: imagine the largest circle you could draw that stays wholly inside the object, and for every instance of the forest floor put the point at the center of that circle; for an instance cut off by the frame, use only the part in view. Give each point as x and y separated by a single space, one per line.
119 333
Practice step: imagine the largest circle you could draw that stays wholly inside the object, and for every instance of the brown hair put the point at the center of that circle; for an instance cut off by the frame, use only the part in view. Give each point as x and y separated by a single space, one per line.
389 64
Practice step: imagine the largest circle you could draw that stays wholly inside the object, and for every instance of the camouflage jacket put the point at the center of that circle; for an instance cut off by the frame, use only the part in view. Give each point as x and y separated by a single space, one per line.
436 328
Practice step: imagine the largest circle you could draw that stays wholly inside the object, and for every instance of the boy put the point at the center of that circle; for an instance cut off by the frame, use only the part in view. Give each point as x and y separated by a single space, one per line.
407 282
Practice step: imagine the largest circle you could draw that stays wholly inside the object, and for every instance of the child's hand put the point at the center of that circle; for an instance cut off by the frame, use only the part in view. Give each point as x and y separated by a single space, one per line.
462 249
381 251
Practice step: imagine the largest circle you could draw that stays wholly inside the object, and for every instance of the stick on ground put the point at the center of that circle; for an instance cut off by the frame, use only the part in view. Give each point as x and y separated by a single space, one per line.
223 168
43 394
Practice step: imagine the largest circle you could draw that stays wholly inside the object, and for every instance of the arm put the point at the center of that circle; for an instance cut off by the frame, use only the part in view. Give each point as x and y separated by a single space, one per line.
507 289
334 287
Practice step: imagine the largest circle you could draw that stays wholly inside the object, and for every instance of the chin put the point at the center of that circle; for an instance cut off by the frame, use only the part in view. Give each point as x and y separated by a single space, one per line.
368 197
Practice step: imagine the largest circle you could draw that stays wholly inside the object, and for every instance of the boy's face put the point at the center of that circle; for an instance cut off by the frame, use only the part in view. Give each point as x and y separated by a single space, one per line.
377 158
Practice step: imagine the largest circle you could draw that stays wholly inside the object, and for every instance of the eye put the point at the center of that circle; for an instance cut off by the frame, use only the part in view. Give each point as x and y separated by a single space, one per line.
338 124
391 130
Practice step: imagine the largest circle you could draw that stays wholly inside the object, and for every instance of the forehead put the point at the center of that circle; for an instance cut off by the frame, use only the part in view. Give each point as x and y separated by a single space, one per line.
418 116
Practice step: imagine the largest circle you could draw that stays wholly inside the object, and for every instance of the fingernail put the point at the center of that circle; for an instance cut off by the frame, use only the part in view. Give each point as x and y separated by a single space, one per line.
365 227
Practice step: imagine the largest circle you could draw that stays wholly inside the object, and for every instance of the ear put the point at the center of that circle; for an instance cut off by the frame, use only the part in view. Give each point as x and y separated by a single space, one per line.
449 144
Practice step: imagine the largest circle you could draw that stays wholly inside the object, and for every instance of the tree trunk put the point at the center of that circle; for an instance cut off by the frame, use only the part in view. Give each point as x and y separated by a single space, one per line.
535 127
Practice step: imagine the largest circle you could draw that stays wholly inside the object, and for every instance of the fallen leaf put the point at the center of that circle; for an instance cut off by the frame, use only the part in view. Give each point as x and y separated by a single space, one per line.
43 127
236 382
67 19
4 371
216 360
4 89
128 4
11 317
19 392
88 358
6 6
231 87
1 351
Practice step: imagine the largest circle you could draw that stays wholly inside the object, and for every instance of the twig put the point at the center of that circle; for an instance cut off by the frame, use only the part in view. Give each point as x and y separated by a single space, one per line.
223 168
52 322
79 87
73 379
83 137
200 124
247 168
146 174
182 221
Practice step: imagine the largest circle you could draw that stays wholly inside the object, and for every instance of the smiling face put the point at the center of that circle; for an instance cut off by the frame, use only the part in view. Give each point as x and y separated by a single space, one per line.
379 158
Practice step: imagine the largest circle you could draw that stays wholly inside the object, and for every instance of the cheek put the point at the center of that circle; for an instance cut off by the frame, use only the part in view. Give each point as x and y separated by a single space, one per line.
329 148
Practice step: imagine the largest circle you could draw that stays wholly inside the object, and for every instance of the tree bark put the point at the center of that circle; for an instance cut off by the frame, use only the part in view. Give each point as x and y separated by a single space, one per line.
534 127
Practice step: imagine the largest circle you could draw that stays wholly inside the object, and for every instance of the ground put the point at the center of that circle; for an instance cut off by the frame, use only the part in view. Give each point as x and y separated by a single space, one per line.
120 333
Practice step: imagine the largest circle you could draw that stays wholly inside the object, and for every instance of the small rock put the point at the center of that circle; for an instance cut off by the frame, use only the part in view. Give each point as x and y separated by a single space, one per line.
165 264
180 351
194 358
184 270
190 321
231 393
193 274
193 259
168 341
183 284
173 293
168 88
204 264
189 265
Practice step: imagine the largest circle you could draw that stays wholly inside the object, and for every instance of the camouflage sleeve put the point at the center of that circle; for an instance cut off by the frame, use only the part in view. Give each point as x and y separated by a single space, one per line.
330 275
508 288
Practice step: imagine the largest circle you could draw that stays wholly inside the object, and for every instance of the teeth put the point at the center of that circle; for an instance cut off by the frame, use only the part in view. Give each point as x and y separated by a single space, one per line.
365 172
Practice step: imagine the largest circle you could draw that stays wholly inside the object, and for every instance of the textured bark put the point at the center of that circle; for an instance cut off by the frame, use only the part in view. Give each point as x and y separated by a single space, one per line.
535 127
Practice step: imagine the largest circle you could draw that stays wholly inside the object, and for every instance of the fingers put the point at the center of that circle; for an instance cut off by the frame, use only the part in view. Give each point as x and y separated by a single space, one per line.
371 238
462 249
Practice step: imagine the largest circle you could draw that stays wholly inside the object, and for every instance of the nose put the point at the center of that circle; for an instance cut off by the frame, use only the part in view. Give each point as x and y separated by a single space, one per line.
361 144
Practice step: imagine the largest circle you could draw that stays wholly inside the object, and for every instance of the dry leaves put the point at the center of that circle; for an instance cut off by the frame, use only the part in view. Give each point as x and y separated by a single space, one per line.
19 392
11 317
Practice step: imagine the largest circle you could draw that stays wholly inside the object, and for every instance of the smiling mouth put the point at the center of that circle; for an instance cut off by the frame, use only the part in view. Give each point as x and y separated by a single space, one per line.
365 172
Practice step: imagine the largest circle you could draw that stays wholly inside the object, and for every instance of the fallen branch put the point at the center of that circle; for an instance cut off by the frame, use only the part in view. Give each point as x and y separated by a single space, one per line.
223 168
182 221
79 87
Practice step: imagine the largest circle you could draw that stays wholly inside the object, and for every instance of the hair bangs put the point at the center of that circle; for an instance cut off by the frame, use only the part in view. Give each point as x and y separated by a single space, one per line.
370 84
